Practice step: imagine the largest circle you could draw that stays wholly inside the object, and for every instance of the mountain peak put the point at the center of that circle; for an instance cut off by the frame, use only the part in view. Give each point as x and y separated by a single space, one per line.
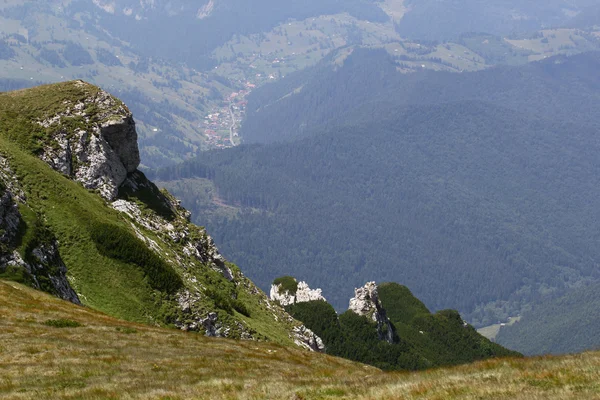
91 139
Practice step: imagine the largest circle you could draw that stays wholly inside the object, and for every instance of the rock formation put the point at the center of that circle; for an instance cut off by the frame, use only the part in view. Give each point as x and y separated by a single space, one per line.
307 339
366 303
102 150
303 294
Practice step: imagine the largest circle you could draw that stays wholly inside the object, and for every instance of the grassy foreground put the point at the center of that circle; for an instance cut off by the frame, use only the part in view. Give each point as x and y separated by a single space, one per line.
45 354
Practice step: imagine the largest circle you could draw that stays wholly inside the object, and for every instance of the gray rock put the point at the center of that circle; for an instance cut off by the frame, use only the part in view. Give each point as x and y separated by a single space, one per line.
121 136
101 158
307 339
44 260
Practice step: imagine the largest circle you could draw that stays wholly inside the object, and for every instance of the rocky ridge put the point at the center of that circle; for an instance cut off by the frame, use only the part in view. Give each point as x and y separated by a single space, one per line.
101 150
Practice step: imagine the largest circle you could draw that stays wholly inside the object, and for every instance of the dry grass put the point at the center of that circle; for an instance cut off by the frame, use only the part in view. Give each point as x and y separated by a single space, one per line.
107 358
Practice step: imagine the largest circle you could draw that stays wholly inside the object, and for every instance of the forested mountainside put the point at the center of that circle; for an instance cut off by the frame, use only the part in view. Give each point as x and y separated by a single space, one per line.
567 324
472 204
78 220
386 326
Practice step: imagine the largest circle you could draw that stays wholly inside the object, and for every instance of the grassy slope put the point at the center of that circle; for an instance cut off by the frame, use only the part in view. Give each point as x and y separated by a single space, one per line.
71 212
109 358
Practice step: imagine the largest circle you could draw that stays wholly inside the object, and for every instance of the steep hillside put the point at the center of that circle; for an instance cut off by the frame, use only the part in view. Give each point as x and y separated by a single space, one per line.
76 213
54 349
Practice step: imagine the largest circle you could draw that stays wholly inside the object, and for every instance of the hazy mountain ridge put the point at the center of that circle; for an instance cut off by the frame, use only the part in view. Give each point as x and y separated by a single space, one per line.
447 19
171 95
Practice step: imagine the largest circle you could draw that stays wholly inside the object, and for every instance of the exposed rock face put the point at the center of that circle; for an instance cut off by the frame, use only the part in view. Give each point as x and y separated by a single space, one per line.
121 135
101 155
307 339
366 303
302 295
10 219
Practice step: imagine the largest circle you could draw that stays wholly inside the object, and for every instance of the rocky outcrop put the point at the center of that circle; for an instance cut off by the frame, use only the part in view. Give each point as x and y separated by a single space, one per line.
307 339
303 294
366 303
101 150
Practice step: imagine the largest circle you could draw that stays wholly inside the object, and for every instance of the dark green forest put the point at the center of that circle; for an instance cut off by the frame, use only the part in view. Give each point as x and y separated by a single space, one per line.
560 88
475 205
421 339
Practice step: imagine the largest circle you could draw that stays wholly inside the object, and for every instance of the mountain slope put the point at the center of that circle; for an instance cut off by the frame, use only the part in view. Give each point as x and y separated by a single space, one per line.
176 63
445 20
361 84
567 324
75 205
108 358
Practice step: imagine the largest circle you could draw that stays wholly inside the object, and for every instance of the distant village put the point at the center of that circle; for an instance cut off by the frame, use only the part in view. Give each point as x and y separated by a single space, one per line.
222 125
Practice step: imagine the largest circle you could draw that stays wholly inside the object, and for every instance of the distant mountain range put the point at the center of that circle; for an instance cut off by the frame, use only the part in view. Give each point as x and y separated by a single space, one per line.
177 63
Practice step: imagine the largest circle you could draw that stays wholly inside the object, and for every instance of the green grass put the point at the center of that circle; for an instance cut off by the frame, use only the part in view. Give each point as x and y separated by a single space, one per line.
117 243
100 361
